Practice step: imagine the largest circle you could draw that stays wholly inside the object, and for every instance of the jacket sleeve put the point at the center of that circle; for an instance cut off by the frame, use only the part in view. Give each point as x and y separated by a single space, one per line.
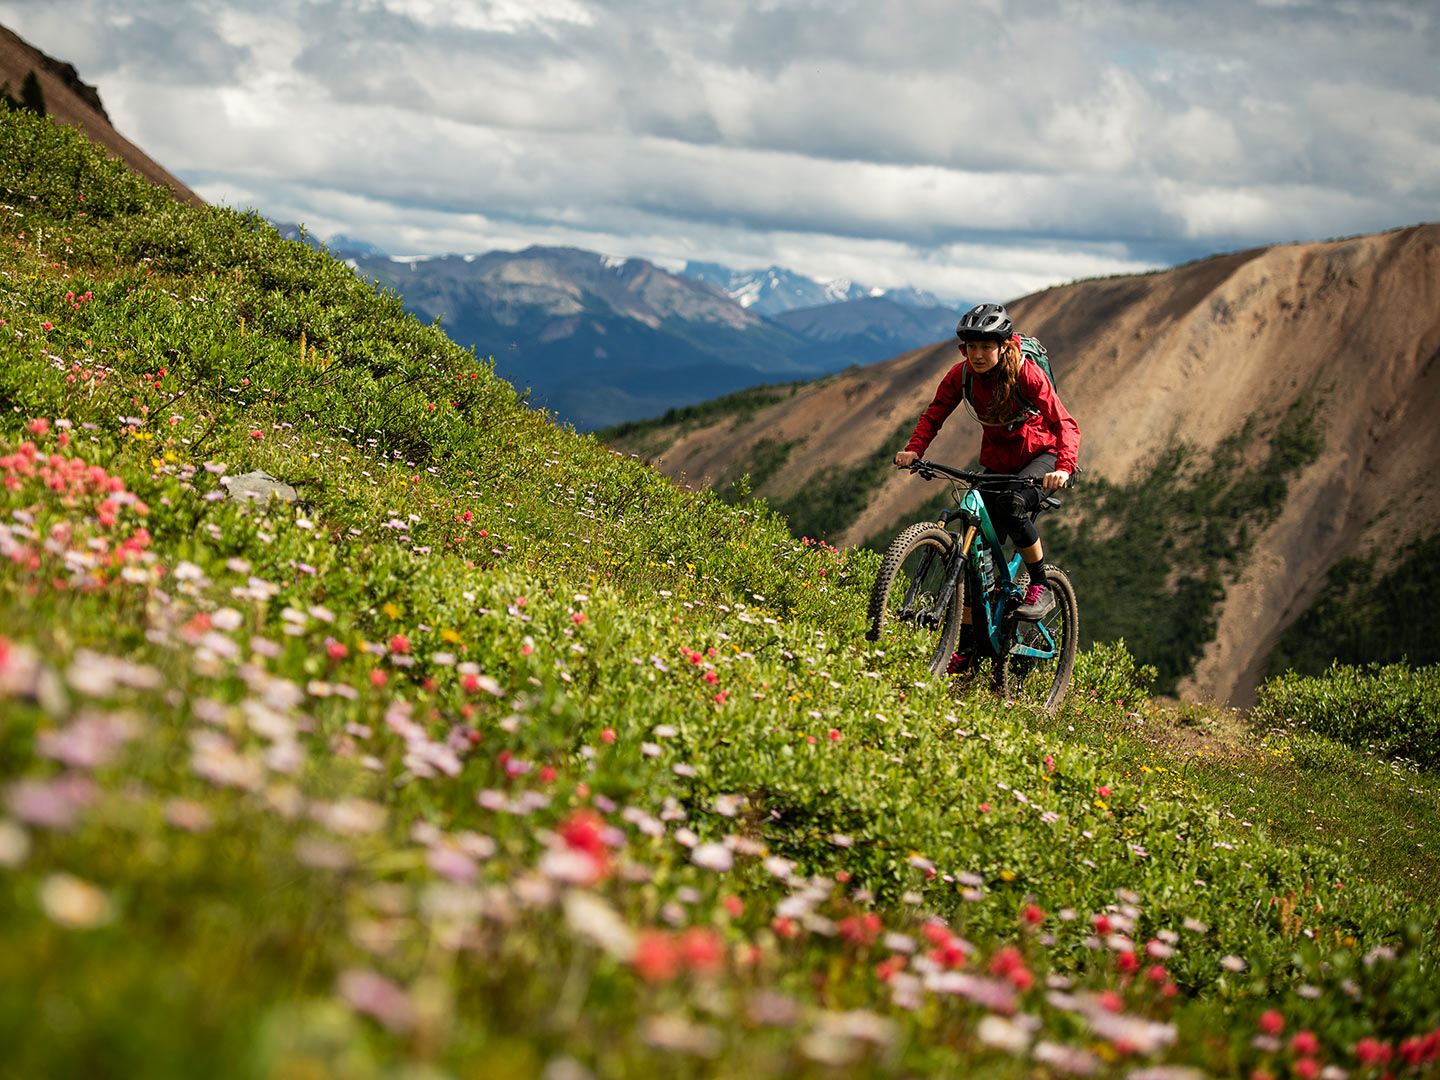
1055 416
947 396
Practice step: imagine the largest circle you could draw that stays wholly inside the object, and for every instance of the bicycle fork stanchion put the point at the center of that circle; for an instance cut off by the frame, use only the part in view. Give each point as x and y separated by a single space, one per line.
952 577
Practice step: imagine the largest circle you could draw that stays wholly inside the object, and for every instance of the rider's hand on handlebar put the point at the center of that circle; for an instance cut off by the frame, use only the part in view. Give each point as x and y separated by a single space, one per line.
1054 480
905 458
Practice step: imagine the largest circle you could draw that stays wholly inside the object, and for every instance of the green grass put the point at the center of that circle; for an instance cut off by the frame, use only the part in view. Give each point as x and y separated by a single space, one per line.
481 760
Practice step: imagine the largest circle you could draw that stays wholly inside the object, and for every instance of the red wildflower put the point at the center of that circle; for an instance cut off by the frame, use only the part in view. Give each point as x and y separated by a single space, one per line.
655 958
1304 1043
701 949
1370 1051
607 735
835 735
734 905
1271 1022
400 644
378 678
1033 915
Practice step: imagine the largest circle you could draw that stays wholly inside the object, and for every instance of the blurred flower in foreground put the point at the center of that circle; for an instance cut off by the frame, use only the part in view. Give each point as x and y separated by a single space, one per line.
72 902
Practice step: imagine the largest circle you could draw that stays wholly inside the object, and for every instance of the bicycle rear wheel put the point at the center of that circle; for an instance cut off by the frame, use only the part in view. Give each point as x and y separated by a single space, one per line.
905 600
1042 683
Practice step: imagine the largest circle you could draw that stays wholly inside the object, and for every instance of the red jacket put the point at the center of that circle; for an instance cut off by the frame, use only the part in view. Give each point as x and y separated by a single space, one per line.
1006 449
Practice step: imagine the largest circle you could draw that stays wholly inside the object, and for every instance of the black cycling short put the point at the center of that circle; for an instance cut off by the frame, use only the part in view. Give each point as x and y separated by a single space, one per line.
1010 506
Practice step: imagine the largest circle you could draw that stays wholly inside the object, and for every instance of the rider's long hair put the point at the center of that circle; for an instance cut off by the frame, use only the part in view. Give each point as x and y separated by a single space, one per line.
1005 400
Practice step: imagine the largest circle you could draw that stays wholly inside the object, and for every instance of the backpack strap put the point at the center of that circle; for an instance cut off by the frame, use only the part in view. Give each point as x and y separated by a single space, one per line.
1027 409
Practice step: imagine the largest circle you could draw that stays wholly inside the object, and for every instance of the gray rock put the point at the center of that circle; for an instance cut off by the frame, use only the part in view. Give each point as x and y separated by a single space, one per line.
259 485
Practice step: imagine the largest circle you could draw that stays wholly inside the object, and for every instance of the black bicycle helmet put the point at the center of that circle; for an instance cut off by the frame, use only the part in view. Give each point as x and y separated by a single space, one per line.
985 322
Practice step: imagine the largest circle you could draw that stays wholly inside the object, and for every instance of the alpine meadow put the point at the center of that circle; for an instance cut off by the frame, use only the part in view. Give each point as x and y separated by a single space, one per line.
495 753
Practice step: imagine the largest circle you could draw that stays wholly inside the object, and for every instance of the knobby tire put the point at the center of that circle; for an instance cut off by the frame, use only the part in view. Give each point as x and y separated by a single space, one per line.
884 603
1043 682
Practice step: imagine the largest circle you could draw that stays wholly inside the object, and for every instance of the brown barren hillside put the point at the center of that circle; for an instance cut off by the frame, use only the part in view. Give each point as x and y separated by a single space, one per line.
76 103
1189 354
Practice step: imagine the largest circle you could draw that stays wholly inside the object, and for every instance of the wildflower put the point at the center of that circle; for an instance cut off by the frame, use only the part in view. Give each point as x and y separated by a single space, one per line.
701 949
1271 1022
400 644
1304 1043
1033 915
1009 964
378 678
715 857
1103 791
1127 962
734 905
711 677
655 958
984 808
74 903
578 618
607 735
1370 1051
1306 1068
835 735
376 996
1002 1034
257 434
39 426
336 651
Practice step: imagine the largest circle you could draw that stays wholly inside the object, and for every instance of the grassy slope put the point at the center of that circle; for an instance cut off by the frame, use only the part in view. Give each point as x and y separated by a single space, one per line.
368 783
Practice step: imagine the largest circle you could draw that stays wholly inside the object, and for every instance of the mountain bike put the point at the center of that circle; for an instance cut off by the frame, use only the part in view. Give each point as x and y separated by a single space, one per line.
931 573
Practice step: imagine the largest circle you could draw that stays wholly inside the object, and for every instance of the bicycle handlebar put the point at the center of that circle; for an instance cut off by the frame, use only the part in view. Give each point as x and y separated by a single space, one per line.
928 469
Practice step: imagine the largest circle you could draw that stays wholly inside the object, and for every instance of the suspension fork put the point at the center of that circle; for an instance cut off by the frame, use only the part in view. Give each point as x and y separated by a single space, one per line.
952 575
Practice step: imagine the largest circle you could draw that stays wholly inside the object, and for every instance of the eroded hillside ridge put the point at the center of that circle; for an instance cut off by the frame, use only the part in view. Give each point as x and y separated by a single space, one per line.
1186 356
72 101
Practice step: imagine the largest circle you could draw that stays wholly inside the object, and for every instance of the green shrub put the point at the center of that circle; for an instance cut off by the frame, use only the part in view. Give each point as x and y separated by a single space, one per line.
1394 709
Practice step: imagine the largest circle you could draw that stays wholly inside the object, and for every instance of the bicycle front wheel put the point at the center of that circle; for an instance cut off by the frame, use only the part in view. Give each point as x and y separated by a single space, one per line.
1042 682
906 608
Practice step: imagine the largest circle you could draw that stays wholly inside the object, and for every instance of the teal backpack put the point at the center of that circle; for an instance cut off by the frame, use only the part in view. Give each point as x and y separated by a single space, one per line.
1031 350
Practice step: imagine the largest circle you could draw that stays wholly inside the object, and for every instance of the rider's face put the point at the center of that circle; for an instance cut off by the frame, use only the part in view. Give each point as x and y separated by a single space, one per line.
983 355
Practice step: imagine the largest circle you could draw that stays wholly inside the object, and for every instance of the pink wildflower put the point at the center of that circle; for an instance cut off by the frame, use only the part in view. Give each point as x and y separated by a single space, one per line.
1304 1043
1271 1022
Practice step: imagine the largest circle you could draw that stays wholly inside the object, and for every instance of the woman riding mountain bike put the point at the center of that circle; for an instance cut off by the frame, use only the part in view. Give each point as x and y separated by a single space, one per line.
1027 433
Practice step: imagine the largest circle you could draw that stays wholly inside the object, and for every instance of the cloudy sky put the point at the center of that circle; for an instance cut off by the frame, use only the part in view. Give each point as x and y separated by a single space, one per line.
977 148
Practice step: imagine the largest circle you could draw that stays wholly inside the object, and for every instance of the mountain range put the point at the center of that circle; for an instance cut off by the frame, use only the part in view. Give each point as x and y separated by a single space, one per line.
599 340
776 290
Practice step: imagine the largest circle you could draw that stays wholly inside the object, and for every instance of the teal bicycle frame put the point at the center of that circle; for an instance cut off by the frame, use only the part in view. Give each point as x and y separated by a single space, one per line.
983 552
